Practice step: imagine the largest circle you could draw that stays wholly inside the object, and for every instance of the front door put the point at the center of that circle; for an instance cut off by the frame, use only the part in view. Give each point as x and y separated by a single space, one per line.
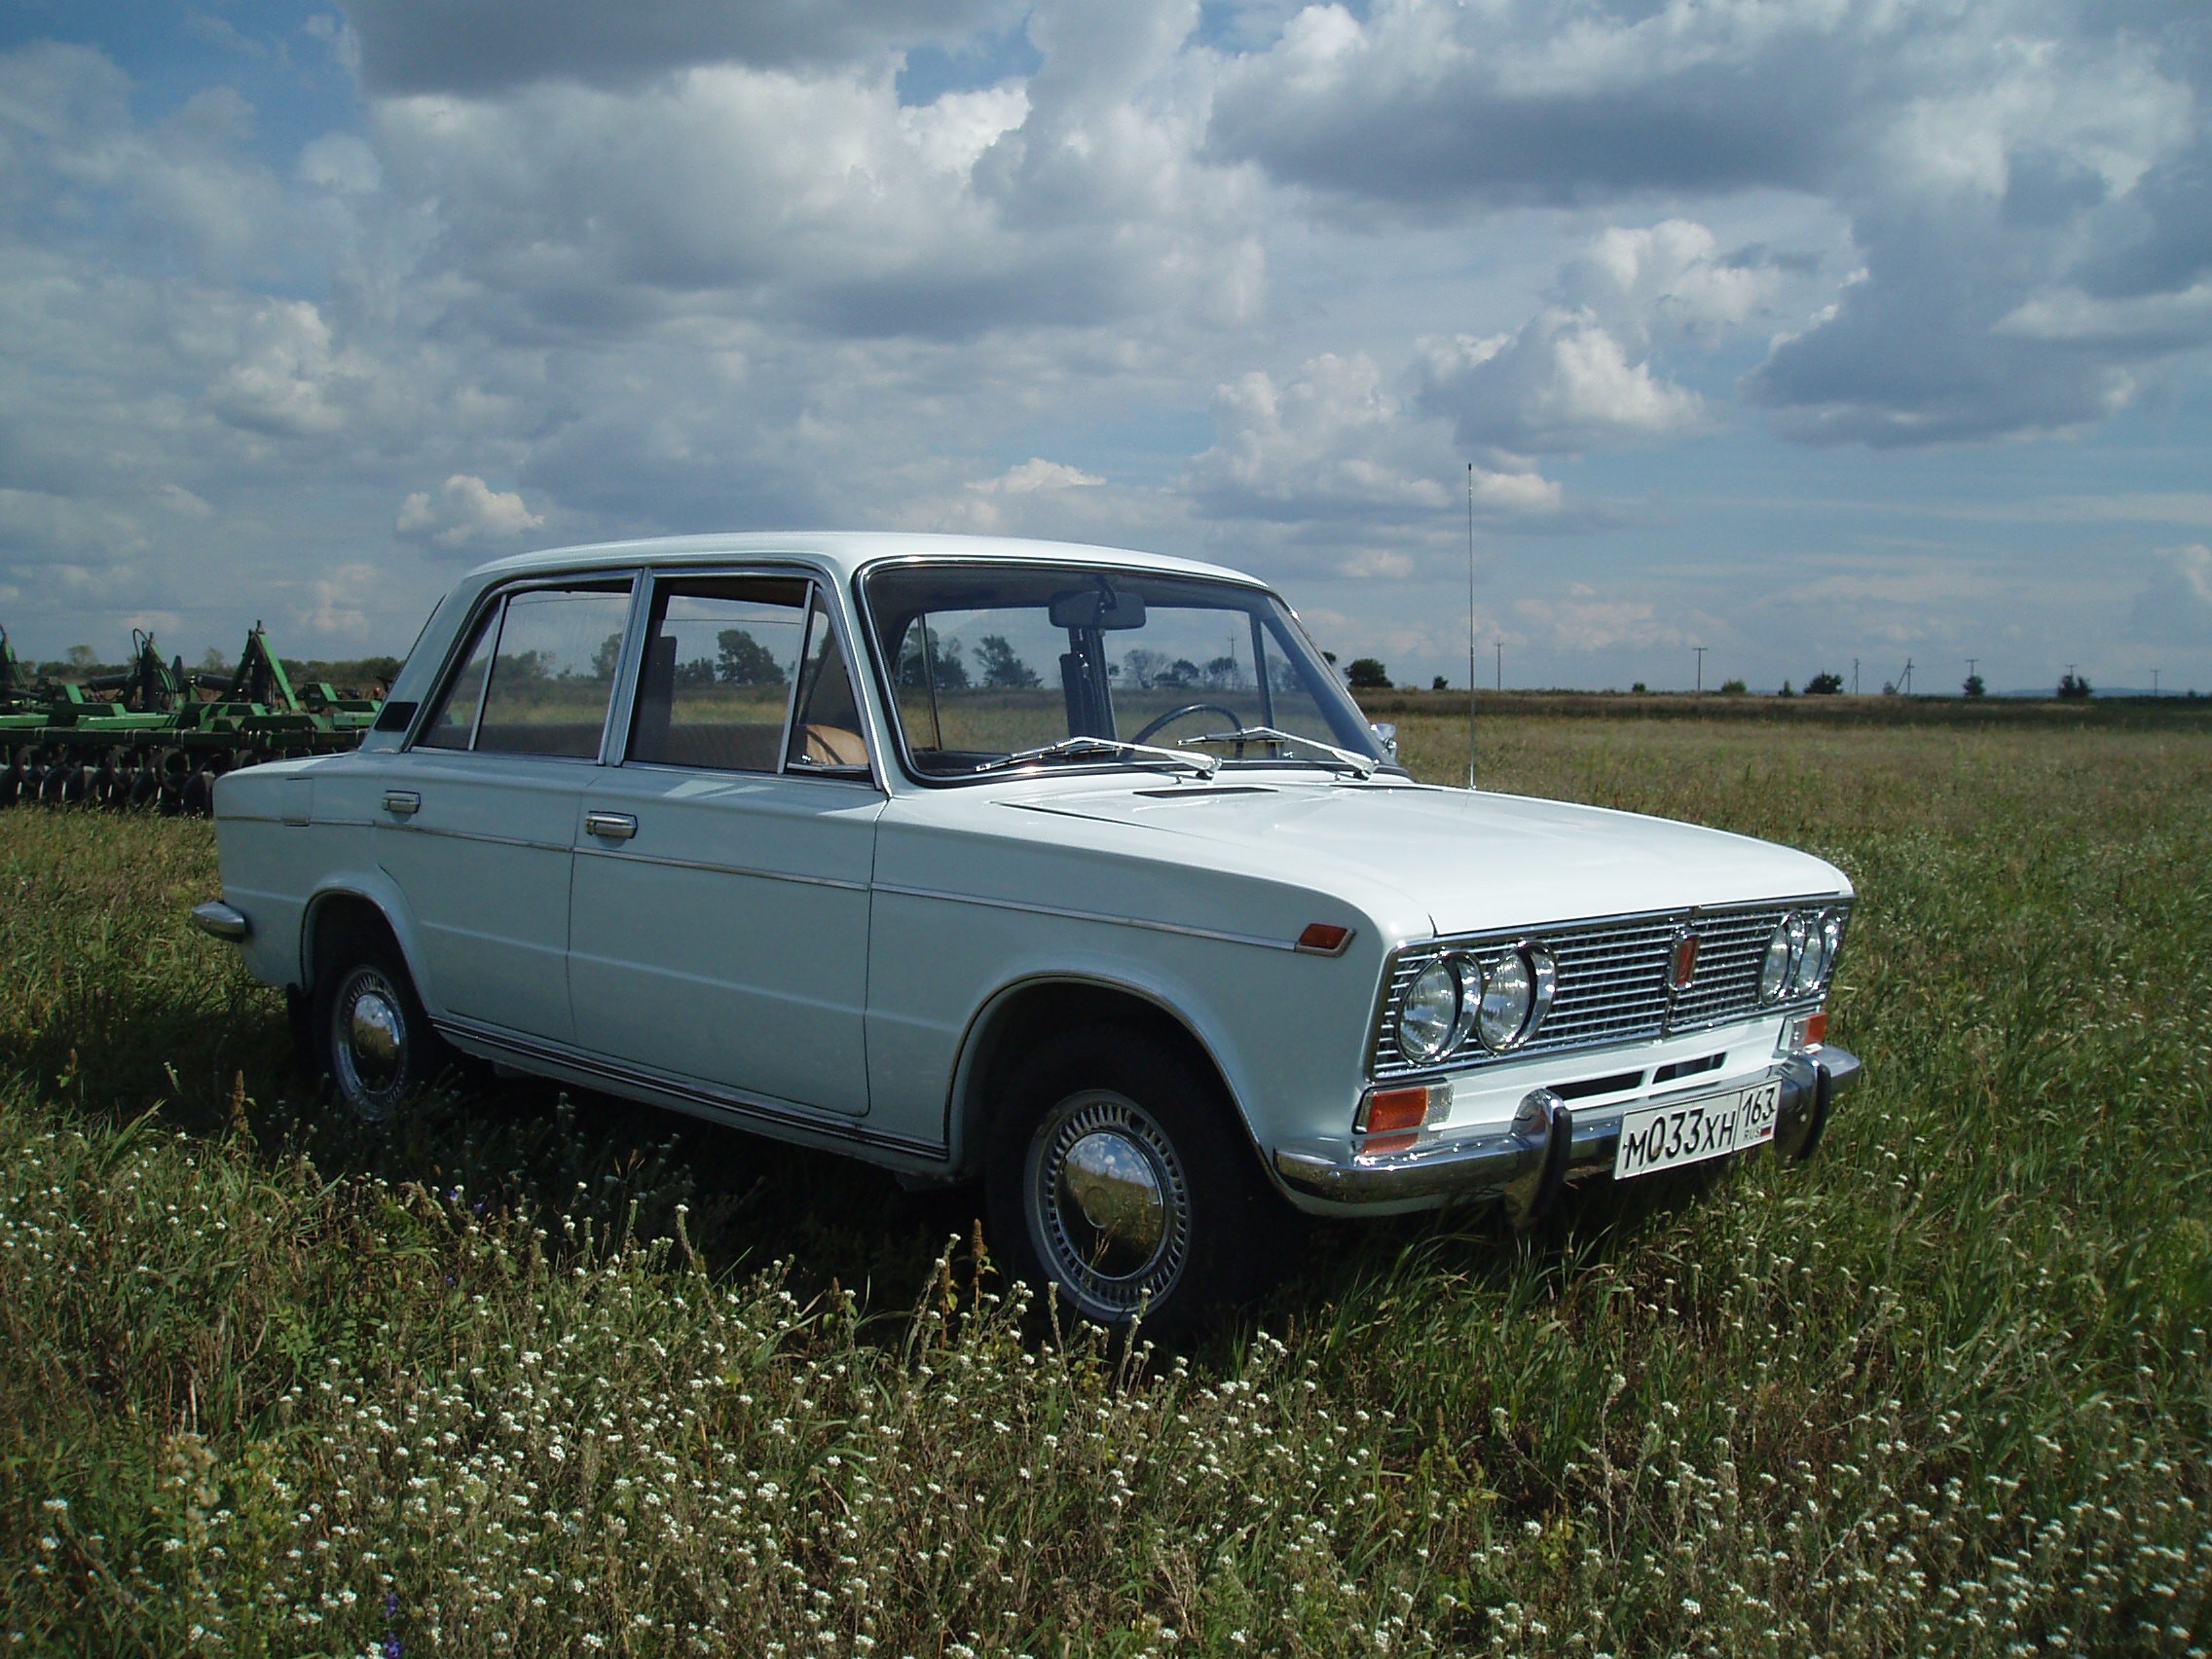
477 820
719 925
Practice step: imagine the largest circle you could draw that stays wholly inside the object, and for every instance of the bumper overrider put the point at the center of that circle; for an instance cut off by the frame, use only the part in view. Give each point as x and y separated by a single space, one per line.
1525 1164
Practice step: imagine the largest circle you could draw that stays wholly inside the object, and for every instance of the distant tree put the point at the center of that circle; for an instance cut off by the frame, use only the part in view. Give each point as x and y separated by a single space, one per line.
1733 688
1367 674
1003 669
1785 691
1974 686
80 659
1824 684
1179 674
604 660
213 661
1639 690
698 672
744 660
2073 686
1143 666
1329 657
1223 674
1439 684
944 669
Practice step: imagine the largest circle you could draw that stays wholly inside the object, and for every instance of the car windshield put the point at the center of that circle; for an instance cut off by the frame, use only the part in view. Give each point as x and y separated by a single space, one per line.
990 661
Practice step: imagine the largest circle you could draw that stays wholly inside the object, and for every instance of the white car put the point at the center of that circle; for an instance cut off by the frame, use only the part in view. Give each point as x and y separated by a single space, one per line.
1070 868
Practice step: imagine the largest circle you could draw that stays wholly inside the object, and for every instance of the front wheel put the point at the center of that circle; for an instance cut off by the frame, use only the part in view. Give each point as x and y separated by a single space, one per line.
1116 1176
376 1039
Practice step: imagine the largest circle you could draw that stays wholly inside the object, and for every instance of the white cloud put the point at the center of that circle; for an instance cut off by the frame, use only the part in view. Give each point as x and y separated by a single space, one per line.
1563 384
1036 474
465 512
2176 604
1335 443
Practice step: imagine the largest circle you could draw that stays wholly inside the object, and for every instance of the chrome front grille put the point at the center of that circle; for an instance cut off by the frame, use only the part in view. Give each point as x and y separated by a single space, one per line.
1612 979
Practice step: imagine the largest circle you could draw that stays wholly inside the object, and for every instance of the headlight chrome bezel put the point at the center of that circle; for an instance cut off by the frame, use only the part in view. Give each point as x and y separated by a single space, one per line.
1805 945
1418 1049
1474 975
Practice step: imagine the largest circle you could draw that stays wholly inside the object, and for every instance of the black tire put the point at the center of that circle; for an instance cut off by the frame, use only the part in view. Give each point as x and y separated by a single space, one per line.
371 1035
1178 1222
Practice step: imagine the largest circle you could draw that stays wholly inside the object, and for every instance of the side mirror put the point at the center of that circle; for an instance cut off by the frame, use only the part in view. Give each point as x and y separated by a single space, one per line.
1385 734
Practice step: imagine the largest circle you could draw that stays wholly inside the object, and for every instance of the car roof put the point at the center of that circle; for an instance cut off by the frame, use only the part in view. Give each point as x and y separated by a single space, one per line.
845 552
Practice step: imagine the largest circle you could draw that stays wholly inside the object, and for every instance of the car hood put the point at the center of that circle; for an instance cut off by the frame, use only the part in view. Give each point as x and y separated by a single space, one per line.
1470 861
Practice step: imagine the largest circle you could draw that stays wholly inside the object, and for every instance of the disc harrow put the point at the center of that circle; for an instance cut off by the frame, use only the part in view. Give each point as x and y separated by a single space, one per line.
156 737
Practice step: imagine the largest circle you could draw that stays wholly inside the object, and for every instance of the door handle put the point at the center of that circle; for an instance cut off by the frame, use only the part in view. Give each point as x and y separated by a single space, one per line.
405 803
610 825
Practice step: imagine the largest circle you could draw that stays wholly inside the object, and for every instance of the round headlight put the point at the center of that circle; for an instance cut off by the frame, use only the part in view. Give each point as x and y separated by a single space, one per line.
1509 993
1783 946
1430 1016
1813 961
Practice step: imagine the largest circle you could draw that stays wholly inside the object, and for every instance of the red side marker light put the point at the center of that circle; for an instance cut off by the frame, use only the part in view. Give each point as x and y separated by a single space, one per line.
1816 1029
1323 938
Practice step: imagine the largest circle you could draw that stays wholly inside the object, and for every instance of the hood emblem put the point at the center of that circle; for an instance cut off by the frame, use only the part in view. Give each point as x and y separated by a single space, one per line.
1682 961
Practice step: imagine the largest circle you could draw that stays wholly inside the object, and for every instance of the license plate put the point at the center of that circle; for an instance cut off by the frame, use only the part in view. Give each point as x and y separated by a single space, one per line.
1690 1131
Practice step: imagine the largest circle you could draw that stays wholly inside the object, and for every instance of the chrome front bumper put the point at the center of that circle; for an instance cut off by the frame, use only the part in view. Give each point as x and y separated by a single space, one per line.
1525 1164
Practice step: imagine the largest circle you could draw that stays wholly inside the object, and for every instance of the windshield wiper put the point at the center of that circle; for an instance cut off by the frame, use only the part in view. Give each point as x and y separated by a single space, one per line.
1363 765
1079 747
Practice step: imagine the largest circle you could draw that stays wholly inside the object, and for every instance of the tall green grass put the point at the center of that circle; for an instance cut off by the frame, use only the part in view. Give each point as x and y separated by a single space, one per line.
534 1374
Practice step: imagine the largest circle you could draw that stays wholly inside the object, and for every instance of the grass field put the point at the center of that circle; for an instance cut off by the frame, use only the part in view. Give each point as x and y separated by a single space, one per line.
543 1375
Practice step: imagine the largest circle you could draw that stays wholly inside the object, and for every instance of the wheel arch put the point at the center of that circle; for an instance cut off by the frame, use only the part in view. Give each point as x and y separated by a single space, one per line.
358 903
1021 1014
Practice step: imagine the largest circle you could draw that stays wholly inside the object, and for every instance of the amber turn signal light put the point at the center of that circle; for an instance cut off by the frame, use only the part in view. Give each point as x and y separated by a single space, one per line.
1324 938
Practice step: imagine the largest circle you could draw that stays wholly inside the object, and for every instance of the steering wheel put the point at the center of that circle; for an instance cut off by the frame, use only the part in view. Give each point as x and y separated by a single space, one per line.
1174 714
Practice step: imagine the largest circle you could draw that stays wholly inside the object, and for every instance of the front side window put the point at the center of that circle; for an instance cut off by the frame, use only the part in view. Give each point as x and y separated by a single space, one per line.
987 662
537 676
722 659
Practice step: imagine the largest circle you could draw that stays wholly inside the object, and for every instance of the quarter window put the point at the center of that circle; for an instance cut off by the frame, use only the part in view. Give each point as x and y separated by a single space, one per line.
455 724
827 735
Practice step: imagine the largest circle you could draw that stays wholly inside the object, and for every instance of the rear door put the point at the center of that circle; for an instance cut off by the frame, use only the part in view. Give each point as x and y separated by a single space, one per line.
719 928
477 820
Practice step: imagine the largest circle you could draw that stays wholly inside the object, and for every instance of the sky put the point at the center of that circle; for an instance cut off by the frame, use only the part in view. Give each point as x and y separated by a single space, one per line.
1806 331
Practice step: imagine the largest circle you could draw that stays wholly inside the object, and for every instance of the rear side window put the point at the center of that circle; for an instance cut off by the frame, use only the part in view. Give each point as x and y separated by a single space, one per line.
722 659
537 678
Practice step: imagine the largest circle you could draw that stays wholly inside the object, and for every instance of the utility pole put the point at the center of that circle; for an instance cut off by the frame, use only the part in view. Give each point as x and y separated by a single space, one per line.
1700 649
1501 665
2153 682
1470 624
1854 677
1971 661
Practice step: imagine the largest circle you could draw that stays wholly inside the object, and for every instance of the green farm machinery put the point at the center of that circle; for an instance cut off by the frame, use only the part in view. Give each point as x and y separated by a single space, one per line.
157 736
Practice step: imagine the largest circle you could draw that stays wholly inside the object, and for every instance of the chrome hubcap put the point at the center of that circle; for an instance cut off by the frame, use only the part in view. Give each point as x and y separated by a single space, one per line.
369 1054
1109 1204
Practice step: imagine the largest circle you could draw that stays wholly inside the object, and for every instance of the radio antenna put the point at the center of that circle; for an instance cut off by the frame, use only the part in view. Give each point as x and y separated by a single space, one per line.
1470 624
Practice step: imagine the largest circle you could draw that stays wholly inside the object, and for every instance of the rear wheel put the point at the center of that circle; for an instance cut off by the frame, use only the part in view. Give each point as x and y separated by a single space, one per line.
371 1032
1116 1176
